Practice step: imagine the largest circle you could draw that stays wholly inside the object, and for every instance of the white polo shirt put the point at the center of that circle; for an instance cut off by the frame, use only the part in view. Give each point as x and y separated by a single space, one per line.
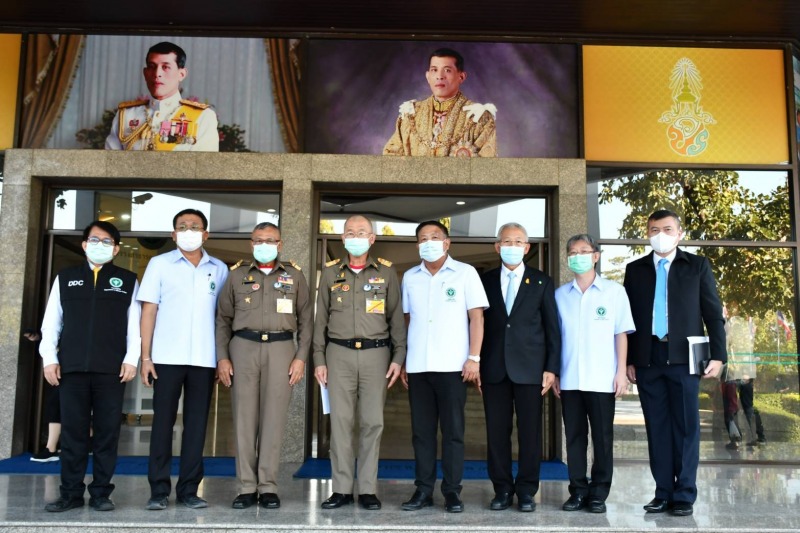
589 321
187 302
438 332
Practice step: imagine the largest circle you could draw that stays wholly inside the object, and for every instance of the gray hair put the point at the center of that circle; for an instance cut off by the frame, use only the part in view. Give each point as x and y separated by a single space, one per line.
511 225
365 217
265 225
585 237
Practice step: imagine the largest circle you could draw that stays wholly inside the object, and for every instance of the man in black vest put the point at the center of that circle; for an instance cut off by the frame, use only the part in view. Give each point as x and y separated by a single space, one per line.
90 349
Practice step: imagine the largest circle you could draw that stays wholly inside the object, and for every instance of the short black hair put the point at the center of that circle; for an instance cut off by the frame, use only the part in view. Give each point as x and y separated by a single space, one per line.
664 213
166 47
433 223
108 227
190 212
449 52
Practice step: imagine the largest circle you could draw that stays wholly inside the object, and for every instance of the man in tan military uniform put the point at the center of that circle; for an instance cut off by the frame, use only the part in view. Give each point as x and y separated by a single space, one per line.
261 306
359 319
447 123
165 122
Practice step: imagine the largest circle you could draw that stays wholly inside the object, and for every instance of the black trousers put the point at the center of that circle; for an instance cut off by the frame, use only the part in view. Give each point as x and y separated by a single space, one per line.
437 399
197 384
89 400
671 407
500 401
582 409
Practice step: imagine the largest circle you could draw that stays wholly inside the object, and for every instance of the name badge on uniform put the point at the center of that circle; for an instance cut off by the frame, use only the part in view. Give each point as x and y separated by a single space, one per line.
376 306
284 306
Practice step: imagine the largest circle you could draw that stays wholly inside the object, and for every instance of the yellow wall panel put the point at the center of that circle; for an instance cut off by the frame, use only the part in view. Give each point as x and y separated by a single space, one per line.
684 105
9 80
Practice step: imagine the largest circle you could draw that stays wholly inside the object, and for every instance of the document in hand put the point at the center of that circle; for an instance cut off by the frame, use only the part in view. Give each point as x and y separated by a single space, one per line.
699 355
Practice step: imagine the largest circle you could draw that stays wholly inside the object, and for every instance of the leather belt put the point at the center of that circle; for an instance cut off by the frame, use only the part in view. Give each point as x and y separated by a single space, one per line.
361 344
264 336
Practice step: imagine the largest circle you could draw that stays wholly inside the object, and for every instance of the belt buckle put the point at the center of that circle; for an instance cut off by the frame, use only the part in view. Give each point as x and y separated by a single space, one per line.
358 345
264 337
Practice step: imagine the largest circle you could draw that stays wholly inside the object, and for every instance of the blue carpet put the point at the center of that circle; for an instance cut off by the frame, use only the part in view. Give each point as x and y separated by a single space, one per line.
126 466
404 469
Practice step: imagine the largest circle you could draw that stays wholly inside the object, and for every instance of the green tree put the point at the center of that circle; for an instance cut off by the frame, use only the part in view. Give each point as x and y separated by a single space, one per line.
713 206
387 230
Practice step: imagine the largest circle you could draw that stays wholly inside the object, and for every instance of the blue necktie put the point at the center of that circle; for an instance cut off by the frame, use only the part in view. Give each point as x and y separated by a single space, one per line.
660 303
511 292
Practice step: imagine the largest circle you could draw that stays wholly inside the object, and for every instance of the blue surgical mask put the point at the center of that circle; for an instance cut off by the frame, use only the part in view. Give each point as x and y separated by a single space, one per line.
264 253
99 253
512 255
356 247
580 263
431 251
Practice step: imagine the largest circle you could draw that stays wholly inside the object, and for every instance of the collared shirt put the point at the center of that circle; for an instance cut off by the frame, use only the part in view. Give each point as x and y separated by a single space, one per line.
359 305
589 321
670 258
519 272
438 305
187 301
207 138
53 323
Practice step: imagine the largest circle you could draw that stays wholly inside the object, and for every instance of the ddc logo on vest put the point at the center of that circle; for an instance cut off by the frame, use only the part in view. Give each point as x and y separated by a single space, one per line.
75 282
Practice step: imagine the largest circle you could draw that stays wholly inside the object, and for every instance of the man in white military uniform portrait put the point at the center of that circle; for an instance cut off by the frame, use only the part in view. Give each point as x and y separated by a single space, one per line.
166 121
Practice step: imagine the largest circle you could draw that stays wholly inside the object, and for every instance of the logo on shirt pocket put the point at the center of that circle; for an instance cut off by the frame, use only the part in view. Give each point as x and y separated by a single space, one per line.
600 313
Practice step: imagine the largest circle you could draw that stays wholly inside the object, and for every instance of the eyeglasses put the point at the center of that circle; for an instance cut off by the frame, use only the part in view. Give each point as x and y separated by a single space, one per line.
257 242
193 227
509 242
584 252
425 237
360 235
108 241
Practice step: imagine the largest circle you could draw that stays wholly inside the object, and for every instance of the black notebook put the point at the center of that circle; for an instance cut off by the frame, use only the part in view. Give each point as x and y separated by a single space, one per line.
699 355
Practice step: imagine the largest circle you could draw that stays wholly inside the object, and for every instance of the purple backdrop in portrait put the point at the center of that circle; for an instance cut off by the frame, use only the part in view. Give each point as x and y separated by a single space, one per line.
354 90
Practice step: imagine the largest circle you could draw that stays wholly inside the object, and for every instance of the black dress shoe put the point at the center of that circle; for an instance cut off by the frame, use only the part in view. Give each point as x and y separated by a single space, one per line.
269 500
193 501
682 509
101 503
63 504
501 501
370 502
596 505
336 500
525 503
576 502
419 500
657 505
452 503
243 501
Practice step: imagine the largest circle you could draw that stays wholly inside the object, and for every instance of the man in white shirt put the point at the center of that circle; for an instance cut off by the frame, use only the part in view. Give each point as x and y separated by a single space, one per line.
90 348
165 122
443 300
595 322
179 298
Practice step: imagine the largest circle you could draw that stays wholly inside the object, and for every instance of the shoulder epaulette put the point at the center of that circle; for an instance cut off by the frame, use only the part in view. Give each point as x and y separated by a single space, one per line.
192 103
237 265
295 265
332 262
384 262
132 103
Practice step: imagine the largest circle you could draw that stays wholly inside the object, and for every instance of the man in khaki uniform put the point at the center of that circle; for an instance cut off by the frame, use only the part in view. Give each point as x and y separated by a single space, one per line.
261 306
359 318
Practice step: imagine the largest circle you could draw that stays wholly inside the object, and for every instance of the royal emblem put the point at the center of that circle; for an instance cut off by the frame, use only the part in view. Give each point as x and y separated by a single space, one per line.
686 120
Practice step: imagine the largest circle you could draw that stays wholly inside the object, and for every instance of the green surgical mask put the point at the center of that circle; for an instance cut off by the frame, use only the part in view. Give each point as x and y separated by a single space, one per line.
580 263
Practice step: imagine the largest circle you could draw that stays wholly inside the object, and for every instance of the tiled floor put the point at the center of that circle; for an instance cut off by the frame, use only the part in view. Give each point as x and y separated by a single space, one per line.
732 498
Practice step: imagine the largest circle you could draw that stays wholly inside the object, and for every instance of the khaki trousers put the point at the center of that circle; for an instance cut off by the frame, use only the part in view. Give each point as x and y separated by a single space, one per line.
260 396
356 384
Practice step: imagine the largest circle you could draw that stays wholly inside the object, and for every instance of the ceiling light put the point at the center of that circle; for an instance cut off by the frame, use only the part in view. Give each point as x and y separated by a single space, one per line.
461 202
125 216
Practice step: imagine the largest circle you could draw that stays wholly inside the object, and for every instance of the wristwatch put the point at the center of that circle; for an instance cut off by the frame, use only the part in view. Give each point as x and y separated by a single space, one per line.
474 358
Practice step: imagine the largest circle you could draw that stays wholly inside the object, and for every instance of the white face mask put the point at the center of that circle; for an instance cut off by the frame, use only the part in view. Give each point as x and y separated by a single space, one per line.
431 251
189 240
663 243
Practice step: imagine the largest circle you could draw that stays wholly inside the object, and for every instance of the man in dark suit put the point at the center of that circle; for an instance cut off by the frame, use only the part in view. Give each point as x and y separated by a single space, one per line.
672 295
520 358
